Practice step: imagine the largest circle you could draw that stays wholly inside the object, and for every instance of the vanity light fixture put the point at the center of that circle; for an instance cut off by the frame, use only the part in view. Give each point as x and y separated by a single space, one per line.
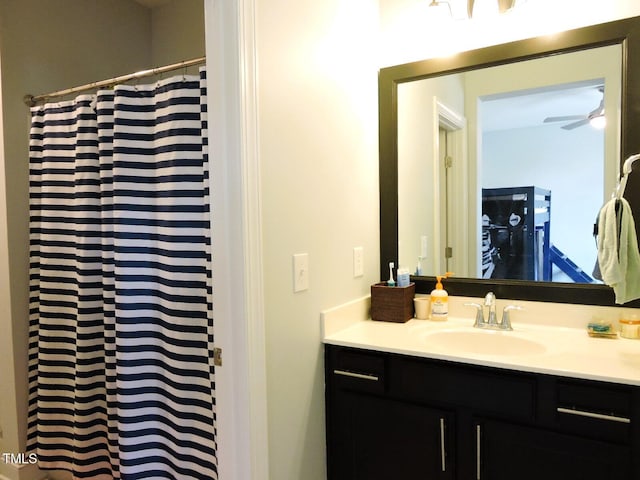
458 9
463 9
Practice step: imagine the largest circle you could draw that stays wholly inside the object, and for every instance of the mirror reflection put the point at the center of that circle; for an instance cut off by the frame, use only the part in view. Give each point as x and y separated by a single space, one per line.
501 172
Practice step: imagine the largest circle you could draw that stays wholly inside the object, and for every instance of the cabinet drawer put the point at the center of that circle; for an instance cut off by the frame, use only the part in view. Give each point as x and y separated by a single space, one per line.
357 370
596 410
598 398
496 393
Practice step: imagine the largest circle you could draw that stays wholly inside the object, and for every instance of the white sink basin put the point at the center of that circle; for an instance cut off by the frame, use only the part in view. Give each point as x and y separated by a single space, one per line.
483 342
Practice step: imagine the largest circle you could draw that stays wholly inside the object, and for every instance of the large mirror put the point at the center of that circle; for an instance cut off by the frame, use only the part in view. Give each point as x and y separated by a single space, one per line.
459 137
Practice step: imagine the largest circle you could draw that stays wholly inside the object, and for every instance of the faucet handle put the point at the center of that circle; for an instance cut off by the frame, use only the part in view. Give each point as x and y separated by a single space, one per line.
505 324
479 314
490 301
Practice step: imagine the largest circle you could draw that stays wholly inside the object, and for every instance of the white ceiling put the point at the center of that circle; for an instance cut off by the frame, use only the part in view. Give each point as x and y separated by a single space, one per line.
530 108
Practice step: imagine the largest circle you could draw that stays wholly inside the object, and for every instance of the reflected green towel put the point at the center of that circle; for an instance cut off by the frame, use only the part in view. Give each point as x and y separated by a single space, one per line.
618 254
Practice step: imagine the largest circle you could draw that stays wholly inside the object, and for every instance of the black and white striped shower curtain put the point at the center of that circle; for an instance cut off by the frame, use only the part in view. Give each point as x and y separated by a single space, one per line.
121 330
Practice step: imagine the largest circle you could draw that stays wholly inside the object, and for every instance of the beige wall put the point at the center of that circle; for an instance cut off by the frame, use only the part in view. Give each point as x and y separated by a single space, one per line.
319 160
318 147
177 32
46 46
419 197
317 101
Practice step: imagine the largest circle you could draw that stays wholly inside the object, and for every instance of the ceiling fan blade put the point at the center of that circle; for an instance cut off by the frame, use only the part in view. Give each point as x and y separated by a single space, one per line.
573 125
565 118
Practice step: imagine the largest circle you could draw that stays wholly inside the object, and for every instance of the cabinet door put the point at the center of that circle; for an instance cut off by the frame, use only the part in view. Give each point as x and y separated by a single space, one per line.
373 438
508 452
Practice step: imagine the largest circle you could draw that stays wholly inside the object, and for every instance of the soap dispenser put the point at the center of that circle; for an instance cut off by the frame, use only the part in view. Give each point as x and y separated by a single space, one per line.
440 299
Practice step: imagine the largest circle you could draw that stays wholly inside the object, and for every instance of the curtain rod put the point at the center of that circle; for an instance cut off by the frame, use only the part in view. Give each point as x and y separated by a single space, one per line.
33 100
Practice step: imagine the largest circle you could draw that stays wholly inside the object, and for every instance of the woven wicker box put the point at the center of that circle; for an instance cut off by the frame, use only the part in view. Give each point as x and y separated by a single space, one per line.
392 304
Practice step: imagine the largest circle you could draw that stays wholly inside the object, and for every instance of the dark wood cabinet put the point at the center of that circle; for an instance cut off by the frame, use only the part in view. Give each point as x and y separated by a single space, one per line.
376 437
381 439
392 416
507 451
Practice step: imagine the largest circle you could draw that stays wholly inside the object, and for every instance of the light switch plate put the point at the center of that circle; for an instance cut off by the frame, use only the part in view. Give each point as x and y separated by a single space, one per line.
300 272
358 262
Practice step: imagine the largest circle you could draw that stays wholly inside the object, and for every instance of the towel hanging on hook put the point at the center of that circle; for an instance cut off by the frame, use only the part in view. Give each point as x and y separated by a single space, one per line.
618 263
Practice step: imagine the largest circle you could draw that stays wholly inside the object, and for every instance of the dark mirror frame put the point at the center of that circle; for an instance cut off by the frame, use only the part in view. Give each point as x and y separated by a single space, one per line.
624 32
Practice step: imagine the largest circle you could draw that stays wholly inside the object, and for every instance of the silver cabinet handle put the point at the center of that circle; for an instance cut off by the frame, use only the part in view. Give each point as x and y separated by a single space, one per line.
362 376
582 413
443 451
478 452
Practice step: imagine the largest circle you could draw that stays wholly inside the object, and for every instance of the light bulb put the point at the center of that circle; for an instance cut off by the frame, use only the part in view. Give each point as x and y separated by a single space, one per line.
598 122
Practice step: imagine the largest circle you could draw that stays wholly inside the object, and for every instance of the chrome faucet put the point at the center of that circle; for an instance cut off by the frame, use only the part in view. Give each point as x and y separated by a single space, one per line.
491 322
490 301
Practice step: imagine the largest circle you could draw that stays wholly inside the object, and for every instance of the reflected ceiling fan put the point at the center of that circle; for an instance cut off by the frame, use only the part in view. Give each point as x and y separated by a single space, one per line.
595 117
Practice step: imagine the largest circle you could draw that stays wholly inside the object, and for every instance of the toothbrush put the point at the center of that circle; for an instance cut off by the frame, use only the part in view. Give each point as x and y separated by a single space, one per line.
391 282
419 267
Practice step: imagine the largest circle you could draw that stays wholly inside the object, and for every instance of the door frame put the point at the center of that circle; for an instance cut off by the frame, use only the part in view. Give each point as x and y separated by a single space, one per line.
238 293
447 118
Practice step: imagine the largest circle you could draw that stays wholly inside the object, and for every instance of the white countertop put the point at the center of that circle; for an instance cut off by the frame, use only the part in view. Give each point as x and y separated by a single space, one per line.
564 351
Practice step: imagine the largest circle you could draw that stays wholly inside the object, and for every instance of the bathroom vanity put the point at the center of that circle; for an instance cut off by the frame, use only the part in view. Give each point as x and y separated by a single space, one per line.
395 416
400 406
427 400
